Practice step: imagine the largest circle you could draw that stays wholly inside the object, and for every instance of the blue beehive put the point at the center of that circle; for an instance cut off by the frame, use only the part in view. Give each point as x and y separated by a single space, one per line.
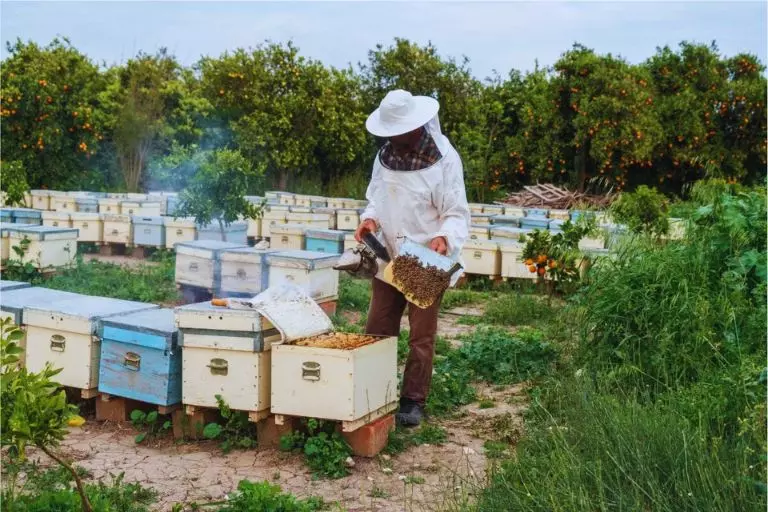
5 215
7 286
556 226
534 222
535 212
325 240
28 216
577 214
236 232
505 220
87 204
148 231
141 357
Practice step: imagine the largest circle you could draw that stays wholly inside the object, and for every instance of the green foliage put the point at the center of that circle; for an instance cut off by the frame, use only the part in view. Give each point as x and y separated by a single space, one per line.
516 309
325 451
14 182
643 211
400 439
455 297
150 423
495 449
265 497
216 192
354 294
144 283
236 432
451 385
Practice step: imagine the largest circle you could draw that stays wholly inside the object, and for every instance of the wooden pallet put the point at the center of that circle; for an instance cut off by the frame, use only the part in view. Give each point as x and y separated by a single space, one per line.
115 408
351 426
253 416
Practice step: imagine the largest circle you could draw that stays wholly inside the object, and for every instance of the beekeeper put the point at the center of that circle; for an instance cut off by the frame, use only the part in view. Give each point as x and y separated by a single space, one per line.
416 192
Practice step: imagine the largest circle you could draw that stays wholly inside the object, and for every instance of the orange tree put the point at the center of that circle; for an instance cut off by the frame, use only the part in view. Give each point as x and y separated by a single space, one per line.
49 98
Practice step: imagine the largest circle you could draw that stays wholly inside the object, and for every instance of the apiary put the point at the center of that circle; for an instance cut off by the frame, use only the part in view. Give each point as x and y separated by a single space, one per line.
493 209
41 199
481 219
225 352
45 246
534 222
286 198
287 236
330 213
512 264
27 216
90 227
87 204
348 219
514 211
337 203
507 232
505 220
312 271
482 257
479 232
110 205
63 203
65 334
559 214
148 231
317 373
6 286
142 208
272 218
234 232
117 228
181 229
198 262
244 272
329 241
141 357
56 219
313 220
475 208
535 212
349 241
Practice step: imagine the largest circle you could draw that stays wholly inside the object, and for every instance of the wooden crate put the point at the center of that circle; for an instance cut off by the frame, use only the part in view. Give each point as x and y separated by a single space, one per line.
90 227
64 334
45 246
57 219
141 357
287 236
198 263
482 257
118 229
182 229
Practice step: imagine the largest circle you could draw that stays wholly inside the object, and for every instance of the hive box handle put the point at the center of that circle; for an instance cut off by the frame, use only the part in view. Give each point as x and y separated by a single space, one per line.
58 343
219 366
193 266
132 361
310 370
478 255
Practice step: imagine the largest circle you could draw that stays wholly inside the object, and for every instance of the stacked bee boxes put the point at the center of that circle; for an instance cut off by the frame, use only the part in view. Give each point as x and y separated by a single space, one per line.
287 236
57 219
244 272
90 227
198 263
118 228
41 199
44 246
148 231
482 257
312 271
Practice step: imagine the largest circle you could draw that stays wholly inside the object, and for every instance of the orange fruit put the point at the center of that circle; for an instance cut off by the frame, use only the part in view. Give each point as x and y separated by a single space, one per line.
542 271
542 258
529 262
532 269
552 264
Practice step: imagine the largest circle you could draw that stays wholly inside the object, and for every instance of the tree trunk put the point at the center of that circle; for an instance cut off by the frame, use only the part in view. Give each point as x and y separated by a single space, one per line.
78 482
282 181
221 230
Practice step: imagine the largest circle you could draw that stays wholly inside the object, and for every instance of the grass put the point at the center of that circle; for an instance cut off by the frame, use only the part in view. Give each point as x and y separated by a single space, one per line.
486 403
354 294
401 438
519 309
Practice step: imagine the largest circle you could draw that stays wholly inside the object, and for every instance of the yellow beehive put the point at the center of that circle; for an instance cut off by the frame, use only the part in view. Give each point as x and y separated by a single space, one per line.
182 229
56 219
117 228
41 199
287 236
63 203
482 257
272 218
110 205
45 246
89 225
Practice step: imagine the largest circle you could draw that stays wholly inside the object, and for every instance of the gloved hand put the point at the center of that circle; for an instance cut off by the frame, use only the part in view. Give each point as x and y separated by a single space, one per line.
439 244
367 226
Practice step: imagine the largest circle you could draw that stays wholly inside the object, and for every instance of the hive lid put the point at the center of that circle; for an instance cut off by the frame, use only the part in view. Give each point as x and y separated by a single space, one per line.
290 310
14 301
289 229
43 232
310 260
7 286
26 213
160 321
246 254
211 245
151 220
88 308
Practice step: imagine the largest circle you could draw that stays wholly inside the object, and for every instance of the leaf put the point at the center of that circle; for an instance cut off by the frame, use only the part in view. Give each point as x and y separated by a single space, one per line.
152 417
140 437
138 416
212 431
166 425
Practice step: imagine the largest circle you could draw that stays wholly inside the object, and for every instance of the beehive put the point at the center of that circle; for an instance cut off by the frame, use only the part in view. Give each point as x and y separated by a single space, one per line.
482 257
110 205
6 217
182 229
272 218
505 220
507 232
337 203
90 227
87 204
355 204
301 200
5 242
479 232
27 200
475 208
6 286
140 208
198 263
348 219
272 196
312 220
534 222
63 203
330 213
300 209
28 216
148 231
514 211
481 219
117 195
329 241
244 272
535 212
141 357
225 352
556 226
493 209
559 214
312 271
44 246
65 334
287 236
286 198
318 202
512 264
135 196
234 232
349 241
56 219
160 200
117 228
320 374
41 199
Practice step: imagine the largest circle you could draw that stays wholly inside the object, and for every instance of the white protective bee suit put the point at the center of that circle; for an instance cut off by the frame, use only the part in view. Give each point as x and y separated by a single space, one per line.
424 204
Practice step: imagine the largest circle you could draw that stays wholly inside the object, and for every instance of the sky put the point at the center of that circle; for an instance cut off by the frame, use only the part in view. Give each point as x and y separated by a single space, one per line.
493 35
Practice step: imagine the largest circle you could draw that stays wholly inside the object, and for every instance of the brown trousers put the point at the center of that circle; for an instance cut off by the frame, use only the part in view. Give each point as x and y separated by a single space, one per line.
384 315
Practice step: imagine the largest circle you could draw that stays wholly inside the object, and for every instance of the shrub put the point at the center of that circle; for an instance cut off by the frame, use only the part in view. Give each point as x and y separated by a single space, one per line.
354 294
643 211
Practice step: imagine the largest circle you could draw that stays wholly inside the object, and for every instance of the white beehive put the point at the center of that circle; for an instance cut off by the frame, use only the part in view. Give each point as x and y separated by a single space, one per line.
481 219
512 264
475 208
482 257
182 229
110 205
312 271
254 228
354 385
244 271
233 232
45 246
329 212
198 263
135 196
348 219
57 219
286 198
300 209
63 203
142 208
272 195
313 220
5 241
225 352
493 209
63 333
287 236
272 218
514 211
337 203
41 199
89 226
507 232
479 232
349 241
117 228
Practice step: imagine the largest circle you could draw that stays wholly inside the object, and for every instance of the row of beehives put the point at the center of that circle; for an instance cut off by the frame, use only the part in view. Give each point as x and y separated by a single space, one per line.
44 247
190 354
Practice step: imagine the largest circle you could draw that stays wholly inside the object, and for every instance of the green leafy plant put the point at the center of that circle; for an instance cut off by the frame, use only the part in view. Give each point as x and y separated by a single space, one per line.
451 385
236 432
325 451
400 439
354 294
266 497
643 211
14 182
150 423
